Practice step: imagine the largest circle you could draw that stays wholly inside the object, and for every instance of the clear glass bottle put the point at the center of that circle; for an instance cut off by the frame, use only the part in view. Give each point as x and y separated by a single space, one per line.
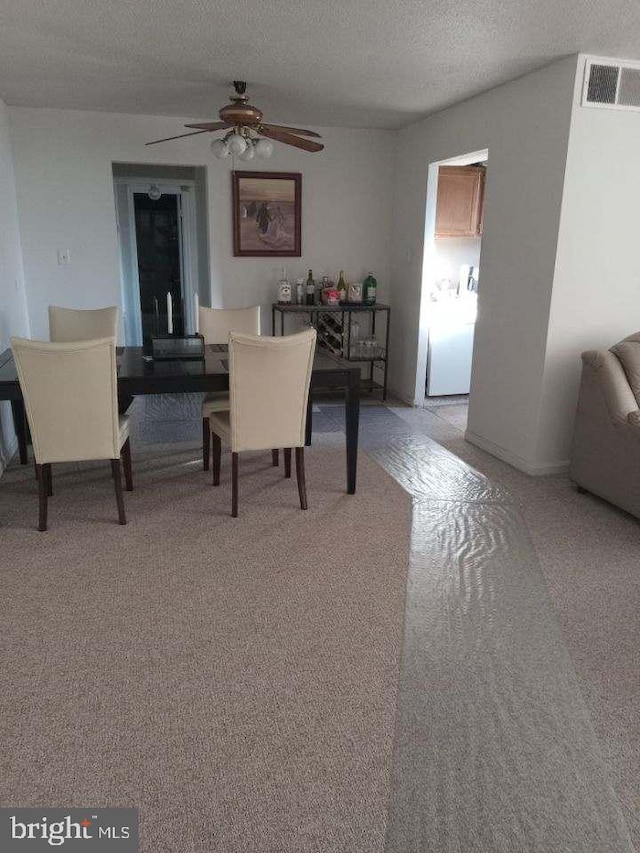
355 349
284 289
342 287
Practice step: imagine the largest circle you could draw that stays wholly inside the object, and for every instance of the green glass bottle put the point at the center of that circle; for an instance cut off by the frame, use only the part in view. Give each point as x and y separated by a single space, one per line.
311 289
370 287
342 287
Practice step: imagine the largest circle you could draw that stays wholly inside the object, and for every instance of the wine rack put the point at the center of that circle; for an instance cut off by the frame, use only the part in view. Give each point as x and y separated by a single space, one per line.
331 333
349 332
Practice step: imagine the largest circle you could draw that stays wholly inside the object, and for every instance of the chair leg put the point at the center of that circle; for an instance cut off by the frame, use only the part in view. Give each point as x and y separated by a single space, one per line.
302 484
117 478
43 492
206 443
275 458
126 464
47 468
234 485
217 453
287 463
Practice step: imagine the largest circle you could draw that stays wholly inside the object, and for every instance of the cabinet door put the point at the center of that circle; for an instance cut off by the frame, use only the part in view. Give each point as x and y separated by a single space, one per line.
460 197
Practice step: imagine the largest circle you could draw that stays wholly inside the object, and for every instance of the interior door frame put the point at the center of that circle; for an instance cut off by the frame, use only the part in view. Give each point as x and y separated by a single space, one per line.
428 266
187 249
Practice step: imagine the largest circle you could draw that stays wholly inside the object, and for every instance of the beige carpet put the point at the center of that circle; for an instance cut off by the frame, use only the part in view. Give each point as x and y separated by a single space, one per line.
235 679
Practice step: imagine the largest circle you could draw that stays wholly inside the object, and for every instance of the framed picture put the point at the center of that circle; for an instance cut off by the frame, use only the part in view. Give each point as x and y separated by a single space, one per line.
266 214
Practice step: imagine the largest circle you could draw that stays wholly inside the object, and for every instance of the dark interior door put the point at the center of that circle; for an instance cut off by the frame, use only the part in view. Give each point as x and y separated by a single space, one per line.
159 269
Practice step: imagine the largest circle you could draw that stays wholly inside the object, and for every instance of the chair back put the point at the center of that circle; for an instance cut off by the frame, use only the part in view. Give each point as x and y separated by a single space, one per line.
269 384
70 393
72 324
216 323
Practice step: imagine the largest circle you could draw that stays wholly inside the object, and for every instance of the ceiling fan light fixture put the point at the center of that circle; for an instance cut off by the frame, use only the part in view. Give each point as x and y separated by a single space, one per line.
249 151
219 148
237 144
264 148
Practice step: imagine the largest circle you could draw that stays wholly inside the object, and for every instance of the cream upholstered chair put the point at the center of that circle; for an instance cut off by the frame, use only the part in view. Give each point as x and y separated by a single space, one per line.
215 325
71 399
72 324
269 385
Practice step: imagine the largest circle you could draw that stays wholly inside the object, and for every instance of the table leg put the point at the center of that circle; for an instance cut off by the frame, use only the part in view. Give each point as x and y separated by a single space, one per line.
20 426
309 423
352 420
273 322
124 401
386 359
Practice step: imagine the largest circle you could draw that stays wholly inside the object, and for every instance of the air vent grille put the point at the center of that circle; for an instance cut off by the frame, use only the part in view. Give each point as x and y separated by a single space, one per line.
611 85
603 84
629 94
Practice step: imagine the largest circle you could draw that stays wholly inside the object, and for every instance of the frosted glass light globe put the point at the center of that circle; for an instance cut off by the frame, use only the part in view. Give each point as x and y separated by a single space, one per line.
237 144
219 148
248 152
264 148
154 192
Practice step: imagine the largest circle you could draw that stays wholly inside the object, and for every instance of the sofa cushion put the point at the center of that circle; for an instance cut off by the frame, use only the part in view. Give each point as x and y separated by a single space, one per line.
628 352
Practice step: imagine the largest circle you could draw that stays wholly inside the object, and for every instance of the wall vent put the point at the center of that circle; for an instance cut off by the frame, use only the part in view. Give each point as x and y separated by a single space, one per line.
612 85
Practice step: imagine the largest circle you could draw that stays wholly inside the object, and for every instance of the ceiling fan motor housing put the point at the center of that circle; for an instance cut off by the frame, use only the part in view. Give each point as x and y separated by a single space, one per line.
240 113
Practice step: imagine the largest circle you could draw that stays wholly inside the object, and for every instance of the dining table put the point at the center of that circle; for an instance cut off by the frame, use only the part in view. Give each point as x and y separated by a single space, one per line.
139 374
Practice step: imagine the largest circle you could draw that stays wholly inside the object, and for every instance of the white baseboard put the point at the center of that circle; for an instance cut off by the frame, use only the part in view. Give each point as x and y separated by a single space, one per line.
404 398
560 467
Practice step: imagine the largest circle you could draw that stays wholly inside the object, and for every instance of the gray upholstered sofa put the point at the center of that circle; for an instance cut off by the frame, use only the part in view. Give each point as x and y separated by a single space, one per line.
605 458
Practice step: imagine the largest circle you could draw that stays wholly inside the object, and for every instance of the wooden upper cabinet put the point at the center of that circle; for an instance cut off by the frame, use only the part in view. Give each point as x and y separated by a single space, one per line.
460 201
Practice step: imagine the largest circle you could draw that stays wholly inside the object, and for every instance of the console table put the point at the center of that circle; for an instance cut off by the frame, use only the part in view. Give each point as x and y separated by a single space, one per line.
334 324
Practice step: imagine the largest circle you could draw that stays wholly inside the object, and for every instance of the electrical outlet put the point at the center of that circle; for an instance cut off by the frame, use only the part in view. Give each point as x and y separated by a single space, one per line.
64 257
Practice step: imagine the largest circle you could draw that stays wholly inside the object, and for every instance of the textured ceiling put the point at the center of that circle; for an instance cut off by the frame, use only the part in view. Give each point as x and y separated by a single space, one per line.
358 63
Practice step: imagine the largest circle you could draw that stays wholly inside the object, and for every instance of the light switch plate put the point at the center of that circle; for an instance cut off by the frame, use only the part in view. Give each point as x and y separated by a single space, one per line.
64 257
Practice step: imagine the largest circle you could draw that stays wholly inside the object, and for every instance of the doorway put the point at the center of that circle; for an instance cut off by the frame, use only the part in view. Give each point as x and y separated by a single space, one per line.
450 285
160 263
160 256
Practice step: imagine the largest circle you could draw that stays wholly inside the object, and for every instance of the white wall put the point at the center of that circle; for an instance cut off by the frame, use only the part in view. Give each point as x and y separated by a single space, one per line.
13 309
596 292
450 253
525 126
65 200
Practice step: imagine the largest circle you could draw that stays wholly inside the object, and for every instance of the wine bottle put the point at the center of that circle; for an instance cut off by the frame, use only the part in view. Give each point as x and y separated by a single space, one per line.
311 289
342 287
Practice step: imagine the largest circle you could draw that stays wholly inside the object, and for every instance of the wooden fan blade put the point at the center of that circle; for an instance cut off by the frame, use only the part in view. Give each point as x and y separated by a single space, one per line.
180 136
212 125
297 130
290 139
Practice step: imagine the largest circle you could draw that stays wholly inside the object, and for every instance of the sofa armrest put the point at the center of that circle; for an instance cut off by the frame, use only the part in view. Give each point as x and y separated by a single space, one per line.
611 378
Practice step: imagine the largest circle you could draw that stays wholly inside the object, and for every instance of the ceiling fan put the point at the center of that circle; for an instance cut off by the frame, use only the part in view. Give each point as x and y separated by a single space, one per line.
248 135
